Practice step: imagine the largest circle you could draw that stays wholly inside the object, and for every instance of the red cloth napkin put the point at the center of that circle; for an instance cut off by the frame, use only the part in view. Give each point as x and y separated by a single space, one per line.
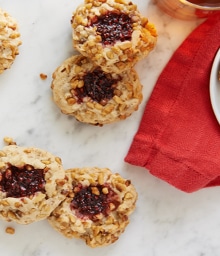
178 139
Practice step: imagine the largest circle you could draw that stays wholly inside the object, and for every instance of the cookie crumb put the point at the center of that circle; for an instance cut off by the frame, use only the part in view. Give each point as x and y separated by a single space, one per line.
10 230
43 76
9 141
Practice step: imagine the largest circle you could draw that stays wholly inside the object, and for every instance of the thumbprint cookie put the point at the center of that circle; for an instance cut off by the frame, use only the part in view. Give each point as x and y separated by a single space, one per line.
98 207
9 40
112 33
83 90
32 184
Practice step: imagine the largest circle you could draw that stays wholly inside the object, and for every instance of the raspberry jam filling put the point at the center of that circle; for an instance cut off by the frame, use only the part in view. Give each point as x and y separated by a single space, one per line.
92 200
20 182
98 85
113 27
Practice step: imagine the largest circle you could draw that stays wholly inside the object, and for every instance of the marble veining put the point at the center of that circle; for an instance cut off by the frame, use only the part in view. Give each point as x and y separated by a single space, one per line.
167 222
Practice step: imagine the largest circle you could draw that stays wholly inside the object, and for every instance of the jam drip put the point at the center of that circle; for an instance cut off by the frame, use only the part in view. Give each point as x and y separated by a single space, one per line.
20 182
89 204
113 27
97 85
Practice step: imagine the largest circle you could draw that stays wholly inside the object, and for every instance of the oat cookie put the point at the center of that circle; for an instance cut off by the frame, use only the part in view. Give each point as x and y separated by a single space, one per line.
98 208
9 40
83 90
112 33
32 184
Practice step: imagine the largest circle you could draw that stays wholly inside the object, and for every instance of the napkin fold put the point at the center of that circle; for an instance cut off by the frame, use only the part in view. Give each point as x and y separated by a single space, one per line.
178 139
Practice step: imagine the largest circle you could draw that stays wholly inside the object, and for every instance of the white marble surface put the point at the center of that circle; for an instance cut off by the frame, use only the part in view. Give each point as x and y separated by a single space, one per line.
167 222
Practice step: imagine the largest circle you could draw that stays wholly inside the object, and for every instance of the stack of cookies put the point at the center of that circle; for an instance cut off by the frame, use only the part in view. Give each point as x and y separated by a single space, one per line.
100 86
93 203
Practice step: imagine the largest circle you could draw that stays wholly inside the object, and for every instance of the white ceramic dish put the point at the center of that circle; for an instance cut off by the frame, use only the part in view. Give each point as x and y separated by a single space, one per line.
215 86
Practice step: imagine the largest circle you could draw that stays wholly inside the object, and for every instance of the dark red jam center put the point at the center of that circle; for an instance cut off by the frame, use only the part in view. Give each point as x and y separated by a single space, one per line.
113 27
20 182
98 86
89 204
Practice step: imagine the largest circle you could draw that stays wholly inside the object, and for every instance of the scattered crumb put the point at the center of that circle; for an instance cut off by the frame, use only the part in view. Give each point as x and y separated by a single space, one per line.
43 76
9 141
10 230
